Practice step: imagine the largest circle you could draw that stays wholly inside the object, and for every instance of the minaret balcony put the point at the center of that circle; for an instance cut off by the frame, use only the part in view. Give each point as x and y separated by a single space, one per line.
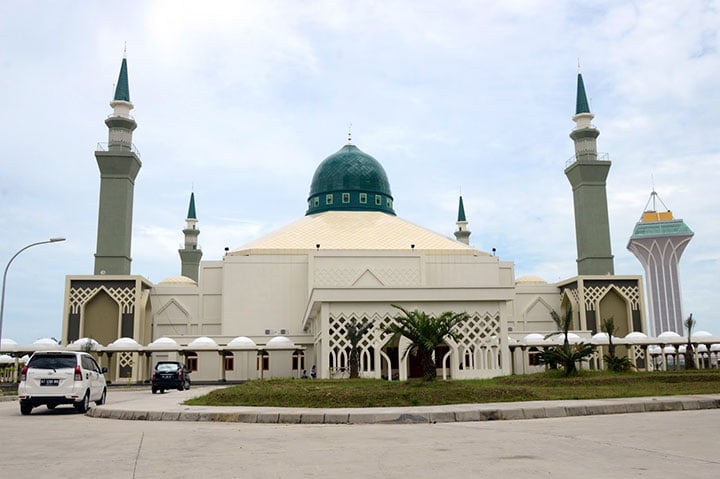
577 157
104 146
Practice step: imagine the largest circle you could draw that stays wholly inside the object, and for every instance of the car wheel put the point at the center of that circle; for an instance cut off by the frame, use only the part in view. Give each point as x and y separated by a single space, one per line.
84 404
25 408
103 398
162 391
154 390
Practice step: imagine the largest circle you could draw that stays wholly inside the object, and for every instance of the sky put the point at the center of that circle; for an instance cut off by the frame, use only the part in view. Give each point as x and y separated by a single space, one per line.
240 101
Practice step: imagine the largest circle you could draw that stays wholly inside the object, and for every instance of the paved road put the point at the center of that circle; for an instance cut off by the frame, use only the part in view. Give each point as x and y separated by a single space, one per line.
61 443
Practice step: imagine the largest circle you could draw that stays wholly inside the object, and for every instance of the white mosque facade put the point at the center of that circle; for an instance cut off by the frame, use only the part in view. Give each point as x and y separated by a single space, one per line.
279 305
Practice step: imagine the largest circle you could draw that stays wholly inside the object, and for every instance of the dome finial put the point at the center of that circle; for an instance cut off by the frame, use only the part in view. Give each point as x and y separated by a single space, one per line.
350 133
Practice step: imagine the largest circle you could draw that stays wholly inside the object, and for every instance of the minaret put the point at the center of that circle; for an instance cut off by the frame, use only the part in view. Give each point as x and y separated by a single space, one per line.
658 241
587 174
462 234
119 165
190 255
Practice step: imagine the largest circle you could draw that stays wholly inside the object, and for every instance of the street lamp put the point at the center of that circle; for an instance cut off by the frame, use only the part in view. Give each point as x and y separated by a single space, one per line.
2 298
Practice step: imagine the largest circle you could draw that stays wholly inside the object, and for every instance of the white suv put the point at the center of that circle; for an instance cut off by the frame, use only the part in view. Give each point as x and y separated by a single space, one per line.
61 377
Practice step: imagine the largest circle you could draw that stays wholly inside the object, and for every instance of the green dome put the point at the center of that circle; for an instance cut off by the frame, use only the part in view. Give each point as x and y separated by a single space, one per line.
350 180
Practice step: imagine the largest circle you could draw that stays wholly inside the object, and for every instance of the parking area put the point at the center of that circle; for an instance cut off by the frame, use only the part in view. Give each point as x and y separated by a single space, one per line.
62 443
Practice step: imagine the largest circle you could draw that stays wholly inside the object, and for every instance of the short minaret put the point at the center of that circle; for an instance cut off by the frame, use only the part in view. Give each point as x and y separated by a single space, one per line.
119 165
462 234
191 254
658 241
587 174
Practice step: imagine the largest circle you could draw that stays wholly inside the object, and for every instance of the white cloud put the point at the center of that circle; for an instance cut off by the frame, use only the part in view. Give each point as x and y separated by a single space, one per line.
242 100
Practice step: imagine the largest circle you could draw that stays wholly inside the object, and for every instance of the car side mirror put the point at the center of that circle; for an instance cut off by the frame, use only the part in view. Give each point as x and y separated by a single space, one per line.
103 370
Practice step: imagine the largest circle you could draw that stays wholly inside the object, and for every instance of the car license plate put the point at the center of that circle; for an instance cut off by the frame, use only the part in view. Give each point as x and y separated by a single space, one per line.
49 382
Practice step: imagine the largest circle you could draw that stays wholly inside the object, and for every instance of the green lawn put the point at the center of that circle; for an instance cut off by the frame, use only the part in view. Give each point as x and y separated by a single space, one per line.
542 386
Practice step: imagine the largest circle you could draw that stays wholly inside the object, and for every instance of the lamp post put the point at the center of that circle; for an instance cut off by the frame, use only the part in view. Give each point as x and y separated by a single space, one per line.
2 298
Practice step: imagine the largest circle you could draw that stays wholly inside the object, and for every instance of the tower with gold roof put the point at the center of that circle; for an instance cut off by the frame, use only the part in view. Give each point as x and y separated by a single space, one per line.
658 241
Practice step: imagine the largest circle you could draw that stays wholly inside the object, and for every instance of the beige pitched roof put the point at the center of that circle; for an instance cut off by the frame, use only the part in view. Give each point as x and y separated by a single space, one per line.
353 230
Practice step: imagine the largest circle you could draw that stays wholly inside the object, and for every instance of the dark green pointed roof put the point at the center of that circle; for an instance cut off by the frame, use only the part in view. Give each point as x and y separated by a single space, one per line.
350 180
191 209
581 105
461 211
122 90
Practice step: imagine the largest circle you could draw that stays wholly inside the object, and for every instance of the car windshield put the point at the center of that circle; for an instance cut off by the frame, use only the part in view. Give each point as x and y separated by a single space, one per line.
167 367
53 361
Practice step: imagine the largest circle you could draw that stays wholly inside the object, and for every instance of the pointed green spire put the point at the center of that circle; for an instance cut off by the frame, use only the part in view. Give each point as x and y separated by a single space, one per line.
122 91
461 211
191 209
581 105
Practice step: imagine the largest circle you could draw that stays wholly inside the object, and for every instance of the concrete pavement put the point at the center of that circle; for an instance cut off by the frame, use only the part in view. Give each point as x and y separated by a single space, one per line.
145 406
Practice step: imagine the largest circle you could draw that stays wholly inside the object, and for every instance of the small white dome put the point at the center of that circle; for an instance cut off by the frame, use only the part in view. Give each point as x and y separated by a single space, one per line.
702 348
681 349
512 340
669 335
178 281
164 344
600 338
203 342
242 342
702 334
280 342
534 338
669 349
530 279
45 342
24 358
7 343
636 335
654 349
6 359
715 348
82 345
124 344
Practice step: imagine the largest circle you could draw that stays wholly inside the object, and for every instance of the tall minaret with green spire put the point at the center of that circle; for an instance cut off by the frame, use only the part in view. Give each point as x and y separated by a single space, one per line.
190 255
119 165
587 174
462 234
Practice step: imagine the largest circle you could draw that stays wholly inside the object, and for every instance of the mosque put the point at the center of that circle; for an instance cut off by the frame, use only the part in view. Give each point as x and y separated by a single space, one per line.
280 305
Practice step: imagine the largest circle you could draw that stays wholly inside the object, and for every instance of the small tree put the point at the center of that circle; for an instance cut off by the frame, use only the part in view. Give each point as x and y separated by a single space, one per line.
689 351
354 333
614 363
566 355
425 333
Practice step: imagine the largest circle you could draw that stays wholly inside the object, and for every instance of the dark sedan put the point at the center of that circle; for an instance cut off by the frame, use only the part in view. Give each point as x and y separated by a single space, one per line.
170 375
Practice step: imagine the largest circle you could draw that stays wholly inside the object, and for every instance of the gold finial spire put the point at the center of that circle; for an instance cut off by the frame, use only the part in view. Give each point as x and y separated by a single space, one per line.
350 133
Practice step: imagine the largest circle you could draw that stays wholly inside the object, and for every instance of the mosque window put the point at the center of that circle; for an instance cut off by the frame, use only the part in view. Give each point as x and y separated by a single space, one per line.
378 200
192 361
388 202
329 199
265 358
298 361
229 362
363 198
316 201
346 197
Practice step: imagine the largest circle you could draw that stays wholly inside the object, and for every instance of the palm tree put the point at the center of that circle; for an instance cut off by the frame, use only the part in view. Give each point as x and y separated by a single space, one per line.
608 326
426 333
689 351
563 325
566 355
354 333
614 363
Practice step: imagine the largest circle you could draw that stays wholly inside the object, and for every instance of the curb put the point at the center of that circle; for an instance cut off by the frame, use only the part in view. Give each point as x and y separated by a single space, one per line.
420 415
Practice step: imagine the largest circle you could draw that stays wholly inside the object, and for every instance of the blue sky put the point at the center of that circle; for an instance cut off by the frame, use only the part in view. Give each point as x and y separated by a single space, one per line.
240 101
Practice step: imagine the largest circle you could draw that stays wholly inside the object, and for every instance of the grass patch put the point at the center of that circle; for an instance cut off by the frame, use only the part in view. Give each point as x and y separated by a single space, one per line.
377 393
